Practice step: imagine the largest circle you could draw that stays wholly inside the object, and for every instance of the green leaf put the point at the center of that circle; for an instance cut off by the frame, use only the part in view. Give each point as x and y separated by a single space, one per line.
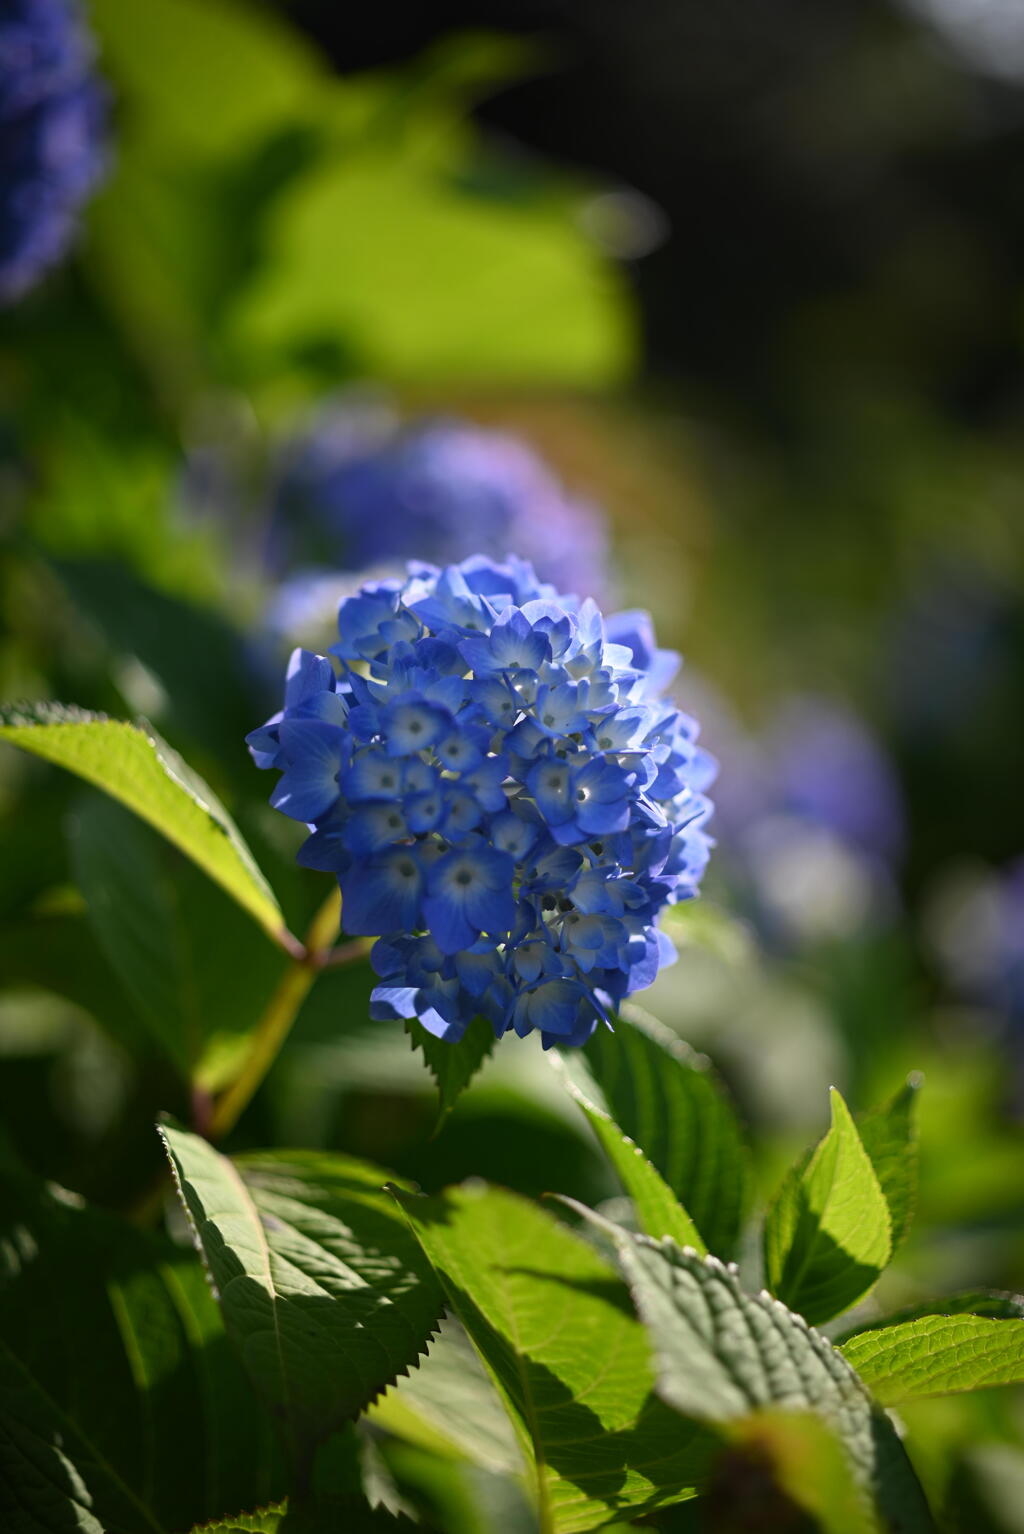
554 1327
722 1354
133 765
658 1211
448 1406
445 277
267 1520
1000 1304
119 1330
828 1234
164 930
889 1135
321 1286
668 1102
453 1066
54 1480
168 60
937 1355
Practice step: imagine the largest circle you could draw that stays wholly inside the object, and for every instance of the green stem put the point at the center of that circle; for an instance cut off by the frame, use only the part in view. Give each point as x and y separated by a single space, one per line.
273 1027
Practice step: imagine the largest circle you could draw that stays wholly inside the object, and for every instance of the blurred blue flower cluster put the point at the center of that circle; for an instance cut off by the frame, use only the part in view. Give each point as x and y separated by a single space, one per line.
359 491
505 796
811 816
51 136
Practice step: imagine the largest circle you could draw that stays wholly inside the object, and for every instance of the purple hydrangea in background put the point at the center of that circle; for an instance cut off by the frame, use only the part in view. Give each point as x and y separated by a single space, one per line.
51 136
507 800
362 491
811 819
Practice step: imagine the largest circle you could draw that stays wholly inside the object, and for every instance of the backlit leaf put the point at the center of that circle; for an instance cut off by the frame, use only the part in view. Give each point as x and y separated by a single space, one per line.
828 1235
132 764
554 1326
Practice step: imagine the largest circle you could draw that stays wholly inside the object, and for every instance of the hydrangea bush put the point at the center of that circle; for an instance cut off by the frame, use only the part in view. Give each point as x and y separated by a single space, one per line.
505 796
51 136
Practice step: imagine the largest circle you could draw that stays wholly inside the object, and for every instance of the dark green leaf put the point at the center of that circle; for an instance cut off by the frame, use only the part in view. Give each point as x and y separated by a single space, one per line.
133 1351
889 1135
722 1354
323 1290
828 1235
665 1098
448 1406
52 1478
165 930
554 1326
997 1303
453 1066
936 1355
132 764
658 1211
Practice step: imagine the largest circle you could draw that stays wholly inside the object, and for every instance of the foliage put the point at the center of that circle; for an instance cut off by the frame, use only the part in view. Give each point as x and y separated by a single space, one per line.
377 1318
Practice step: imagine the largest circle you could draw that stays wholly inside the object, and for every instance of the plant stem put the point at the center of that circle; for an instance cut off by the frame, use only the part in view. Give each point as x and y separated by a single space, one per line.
273 1027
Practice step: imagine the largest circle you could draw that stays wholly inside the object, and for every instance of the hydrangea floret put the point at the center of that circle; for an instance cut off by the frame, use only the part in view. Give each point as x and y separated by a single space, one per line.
505 795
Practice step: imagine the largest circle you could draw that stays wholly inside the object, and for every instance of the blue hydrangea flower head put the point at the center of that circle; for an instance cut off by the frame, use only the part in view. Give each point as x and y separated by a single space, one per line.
506 798
51 136
361 491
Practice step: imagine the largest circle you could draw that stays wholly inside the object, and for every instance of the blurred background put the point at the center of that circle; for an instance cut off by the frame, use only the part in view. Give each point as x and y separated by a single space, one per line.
712 310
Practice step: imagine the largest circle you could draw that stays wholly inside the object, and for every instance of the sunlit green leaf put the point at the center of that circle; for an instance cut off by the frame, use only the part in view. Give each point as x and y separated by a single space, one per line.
266 1521
420 275
828 1234
554 1326
132 764
658 1211
321 1286
168 57
935 1355
665 1098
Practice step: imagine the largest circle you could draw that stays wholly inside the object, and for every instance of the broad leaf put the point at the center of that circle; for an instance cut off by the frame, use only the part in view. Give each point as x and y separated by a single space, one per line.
164 930
134 1352
448 1406
453 1066
53 1480
937 1355
828 1234
132 764
658 1211
722 1353
667 1101
474 285
321 1286
554 1326
889 1135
